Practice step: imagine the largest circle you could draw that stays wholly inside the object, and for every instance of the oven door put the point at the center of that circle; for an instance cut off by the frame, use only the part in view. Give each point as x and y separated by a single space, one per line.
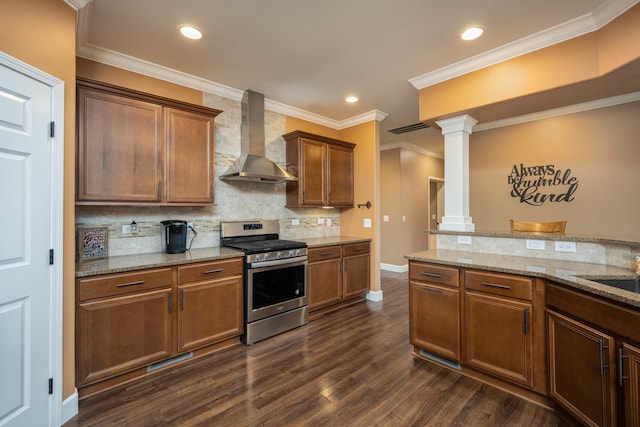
275 289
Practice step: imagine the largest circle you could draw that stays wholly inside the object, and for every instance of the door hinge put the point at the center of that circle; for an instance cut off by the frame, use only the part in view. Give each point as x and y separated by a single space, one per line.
50 256
52 129
50 385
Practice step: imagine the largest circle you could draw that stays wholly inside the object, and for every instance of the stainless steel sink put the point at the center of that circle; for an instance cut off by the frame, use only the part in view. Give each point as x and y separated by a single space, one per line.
632 285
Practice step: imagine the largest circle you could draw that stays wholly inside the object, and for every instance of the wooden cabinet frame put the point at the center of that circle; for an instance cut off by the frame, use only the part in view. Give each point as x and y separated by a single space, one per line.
134 148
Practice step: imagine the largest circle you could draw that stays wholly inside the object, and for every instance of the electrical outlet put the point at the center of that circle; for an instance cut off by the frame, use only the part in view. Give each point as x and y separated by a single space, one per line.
536 245
320 221
565 246
328 222
295 222
126 229
385 218
134 227
189 225
464 240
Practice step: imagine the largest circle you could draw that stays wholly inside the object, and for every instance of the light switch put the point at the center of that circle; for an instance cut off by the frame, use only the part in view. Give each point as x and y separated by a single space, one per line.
320 221
385 218
328 222
367 223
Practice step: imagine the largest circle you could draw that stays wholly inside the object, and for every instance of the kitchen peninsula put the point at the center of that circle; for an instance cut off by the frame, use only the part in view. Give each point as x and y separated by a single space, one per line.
534 322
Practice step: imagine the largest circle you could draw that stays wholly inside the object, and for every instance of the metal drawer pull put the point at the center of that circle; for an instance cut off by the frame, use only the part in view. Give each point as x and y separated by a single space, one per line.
181 300
326 253
217 270
438 276
621 376
495 285
437 291
170 303
602 365
122 285
526 320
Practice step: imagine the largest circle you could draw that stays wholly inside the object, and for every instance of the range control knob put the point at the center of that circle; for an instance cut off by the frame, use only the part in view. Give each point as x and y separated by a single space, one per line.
258 257
279 255
266 256
298 252
292 254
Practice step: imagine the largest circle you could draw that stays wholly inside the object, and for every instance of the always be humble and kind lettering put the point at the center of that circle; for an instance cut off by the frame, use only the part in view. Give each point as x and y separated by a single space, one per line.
536 185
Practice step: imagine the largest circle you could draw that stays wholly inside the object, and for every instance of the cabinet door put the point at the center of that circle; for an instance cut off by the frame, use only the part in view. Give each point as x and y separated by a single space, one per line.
120 334
497 337
630 378
434 319
355 276
581 375
324 283
209 312
120 149
313 173
340 176
189 137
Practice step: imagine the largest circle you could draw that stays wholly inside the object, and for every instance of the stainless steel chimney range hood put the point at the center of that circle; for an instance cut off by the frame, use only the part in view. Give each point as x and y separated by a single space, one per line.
253 165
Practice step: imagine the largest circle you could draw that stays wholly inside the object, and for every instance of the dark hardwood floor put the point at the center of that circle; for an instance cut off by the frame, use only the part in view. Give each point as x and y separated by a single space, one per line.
349 368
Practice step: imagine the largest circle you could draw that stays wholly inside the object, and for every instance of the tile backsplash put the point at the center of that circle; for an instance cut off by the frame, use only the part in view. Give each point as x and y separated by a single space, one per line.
234 200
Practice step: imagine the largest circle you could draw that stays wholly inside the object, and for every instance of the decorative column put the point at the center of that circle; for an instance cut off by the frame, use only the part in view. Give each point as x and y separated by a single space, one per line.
456 131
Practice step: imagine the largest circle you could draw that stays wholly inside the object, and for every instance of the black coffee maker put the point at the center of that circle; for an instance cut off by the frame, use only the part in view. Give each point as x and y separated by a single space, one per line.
174 238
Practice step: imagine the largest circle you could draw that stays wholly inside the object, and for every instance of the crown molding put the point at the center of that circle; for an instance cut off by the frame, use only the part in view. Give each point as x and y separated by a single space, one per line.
408 146
561 111
560 33
150 69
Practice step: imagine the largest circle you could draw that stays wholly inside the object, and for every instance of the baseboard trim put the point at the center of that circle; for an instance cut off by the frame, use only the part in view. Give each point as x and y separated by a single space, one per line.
374 296
394 268
70 407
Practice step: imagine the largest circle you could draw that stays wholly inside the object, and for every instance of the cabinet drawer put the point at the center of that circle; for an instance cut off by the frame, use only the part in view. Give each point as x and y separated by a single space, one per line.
355 249
120 284
499 284
209 270
327 252
434 274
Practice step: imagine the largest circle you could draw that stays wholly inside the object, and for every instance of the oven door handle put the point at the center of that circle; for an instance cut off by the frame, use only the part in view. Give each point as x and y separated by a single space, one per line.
278 262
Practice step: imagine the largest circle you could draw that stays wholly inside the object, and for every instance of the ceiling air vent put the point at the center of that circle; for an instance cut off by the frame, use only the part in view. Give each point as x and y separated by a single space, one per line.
409 128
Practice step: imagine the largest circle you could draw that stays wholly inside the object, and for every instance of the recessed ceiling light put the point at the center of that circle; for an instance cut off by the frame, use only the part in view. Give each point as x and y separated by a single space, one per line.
190 32
472 33
351 99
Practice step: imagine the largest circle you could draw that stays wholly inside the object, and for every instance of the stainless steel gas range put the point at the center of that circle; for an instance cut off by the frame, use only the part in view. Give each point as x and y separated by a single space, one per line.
275 291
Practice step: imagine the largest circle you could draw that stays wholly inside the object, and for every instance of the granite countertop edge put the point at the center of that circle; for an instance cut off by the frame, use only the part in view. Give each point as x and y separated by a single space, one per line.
570 273
133 262
125 263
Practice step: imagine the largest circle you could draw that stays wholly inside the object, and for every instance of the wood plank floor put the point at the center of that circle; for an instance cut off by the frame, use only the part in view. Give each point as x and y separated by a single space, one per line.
349 368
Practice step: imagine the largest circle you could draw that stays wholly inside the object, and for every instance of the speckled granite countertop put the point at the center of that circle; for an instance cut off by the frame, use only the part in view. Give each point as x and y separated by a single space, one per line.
123 263
330 241
573 274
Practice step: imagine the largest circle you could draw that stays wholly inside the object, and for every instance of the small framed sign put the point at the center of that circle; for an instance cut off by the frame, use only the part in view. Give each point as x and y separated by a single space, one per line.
93 243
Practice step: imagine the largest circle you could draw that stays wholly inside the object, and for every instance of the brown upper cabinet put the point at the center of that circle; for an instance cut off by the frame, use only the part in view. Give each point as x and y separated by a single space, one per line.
135 148
324 167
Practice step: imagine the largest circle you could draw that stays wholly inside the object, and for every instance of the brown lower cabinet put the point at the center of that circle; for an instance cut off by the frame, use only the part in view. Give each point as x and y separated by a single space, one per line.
128 321
594 357
486 325
337 274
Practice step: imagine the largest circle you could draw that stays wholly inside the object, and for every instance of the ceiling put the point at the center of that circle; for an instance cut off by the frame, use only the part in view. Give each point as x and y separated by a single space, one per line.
306 56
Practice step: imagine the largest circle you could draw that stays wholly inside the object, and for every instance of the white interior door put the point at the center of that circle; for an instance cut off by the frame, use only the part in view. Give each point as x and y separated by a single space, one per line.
25 240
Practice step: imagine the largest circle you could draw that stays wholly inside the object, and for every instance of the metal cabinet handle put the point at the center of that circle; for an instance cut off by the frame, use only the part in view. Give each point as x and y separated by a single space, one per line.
122 285
438 276
621 376
602 365
437 291
170 303
526 320
217 270
181 300
495 285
